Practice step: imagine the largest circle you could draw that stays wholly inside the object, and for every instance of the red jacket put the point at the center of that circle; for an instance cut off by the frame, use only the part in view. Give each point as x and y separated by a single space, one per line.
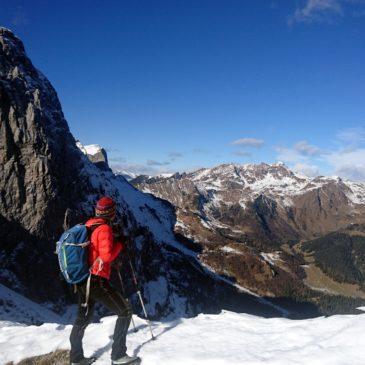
103 250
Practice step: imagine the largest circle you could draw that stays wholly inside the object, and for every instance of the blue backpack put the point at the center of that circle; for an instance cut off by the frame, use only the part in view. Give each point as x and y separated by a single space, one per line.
73 254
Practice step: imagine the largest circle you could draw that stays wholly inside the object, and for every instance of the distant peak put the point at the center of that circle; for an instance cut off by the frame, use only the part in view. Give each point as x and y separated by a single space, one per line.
10 43
6 31
279 163
250 165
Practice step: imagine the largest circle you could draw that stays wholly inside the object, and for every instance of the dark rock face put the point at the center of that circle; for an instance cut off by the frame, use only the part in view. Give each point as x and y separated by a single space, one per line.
48 184
39 164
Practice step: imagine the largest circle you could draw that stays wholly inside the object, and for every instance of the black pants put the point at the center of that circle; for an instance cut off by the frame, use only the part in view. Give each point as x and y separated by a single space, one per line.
100 291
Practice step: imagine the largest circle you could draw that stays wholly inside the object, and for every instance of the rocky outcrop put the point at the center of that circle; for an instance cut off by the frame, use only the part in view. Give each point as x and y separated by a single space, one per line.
96 154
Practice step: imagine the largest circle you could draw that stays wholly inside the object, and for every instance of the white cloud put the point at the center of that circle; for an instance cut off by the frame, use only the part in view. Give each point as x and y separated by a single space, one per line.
305 148
199 151
355 173
290 155
347 159
174 155
157 163
352 136
316 10
249 142
242 153
301 157
307 169
325 10
348 163
117 159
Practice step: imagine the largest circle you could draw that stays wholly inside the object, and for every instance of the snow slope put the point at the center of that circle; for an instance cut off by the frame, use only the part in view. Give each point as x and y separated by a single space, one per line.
227 338
15 307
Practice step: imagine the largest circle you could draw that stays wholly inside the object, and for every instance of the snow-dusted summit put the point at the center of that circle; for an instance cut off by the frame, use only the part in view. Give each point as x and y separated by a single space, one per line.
275 180
244 215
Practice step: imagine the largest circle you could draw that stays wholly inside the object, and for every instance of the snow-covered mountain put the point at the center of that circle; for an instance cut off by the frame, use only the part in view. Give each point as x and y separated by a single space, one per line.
249 219
131 176
244 183
221 196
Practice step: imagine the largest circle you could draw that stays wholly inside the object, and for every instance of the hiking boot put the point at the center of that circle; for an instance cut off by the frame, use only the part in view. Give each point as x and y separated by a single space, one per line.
84 361
127 360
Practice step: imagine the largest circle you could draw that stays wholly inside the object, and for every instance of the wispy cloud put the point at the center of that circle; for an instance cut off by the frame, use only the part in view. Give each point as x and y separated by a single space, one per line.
345 159
199 151
325 10
352 136
348 163
249 142
116 159
355 173
305 148
157 163
290 155
307 169
175 155
302 157
242 153
111 149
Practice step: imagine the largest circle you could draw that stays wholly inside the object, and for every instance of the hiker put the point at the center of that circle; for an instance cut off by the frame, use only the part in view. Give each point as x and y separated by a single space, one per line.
103 250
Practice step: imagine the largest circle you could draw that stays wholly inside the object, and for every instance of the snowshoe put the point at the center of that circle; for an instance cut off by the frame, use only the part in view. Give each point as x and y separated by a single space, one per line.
127 360
84 361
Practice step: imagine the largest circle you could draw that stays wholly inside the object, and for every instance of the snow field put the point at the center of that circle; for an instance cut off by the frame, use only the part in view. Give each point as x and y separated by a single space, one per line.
228 338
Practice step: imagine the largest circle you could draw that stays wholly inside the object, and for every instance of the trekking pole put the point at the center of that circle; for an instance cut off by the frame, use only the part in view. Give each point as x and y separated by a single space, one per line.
123 291
140 295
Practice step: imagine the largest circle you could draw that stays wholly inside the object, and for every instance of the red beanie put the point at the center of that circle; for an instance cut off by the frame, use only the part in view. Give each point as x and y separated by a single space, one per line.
105 207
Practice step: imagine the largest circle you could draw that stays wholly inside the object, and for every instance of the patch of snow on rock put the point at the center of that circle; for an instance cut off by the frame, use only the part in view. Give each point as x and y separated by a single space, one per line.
271 257
231 250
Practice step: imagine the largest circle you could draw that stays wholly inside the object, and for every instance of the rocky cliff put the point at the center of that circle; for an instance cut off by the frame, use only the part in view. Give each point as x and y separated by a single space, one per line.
39 165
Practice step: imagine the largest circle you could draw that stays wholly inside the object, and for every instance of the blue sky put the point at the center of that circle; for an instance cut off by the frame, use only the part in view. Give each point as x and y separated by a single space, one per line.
175 85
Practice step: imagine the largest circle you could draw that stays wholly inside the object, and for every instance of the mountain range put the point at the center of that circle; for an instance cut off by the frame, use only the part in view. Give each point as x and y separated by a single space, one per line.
254 223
